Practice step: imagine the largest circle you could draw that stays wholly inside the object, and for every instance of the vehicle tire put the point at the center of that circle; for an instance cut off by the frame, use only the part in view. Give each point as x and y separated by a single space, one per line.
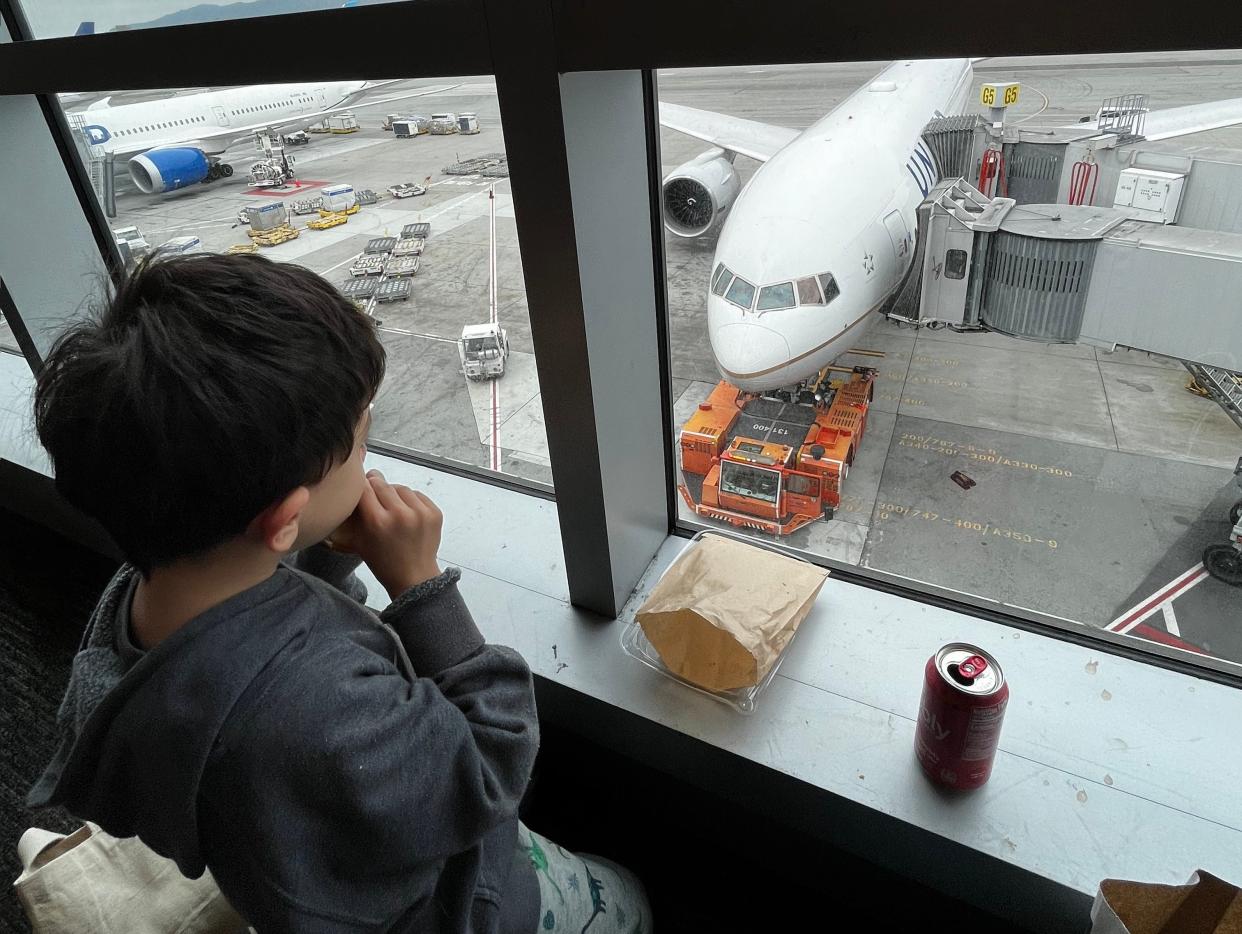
1224 562
1236 512
226 170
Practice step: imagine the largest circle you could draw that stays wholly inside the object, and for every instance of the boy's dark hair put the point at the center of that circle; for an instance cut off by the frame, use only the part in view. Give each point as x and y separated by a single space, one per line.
205 390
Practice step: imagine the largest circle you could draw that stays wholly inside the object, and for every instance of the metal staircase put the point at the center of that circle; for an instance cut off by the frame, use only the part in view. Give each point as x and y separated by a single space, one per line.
1224 387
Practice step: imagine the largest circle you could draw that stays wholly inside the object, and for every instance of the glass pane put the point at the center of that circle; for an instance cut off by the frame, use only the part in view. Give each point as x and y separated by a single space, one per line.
723 278
391 208
753 482
830 287
1003 457
51 19
808 292
741 293
772 297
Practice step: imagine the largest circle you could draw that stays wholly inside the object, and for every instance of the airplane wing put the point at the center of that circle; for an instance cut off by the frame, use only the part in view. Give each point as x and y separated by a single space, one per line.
1178 121
759 141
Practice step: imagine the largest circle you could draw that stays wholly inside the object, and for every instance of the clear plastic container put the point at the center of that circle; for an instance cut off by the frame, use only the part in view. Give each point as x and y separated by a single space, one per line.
634 640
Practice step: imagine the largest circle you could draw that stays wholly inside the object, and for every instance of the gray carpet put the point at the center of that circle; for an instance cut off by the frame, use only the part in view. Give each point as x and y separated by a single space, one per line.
47 591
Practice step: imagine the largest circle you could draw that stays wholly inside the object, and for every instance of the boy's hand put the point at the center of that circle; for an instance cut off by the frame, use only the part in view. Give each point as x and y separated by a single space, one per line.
396 531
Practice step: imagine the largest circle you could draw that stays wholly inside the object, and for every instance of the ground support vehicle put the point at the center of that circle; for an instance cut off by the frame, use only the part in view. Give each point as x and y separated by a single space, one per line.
406 190
344 122
420 230
401 266
392 290
774 462
306 206
380 245
483 349
408 246
1224 560
367 196
327 219
296 138
274 236
368 264
241 248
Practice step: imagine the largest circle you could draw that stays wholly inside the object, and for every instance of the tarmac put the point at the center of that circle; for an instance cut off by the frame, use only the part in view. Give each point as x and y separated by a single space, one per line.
1099 478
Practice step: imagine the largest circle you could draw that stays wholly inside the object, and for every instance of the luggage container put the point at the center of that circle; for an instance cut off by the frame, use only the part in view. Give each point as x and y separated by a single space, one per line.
392 290
337 198
307 206
369 264
267 216
401 266
468 124
342 123
380 245
180 245
443 124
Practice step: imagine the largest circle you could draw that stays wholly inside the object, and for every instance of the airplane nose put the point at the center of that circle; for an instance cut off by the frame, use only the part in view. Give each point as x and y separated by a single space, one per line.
746 353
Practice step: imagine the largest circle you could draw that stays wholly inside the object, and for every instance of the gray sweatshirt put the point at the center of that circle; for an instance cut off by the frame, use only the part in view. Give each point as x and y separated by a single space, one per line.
337 772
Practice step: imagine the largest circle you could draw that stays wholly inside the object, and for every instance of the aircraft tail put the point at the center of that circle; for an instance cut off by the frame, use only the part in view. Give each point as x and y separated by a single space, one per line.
86 28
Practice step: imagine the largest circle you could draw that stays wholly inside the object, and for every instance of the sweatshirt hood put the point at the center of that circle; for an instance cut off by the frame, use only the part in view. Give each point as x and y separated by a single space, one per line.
134 743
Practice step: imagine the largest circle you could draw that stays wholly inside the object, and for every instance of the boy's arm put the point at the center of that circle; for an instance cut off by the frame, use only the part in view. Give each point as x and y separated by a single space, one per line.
334 567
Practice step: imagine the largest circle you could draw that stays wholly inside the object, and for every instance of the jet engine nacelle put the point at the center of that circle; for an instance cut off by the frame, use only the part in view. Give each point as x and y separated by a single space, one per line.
160 170
698 193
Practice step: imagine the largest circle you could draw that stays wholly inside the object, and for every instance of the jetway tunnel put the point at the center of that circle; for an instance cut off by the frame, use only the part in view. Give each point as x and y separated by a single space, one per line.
1075 273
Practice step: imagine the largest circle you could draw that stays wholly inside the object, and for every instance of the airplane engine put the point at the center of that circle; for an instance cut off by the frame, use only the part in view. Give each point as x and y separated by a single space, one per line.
160 170
699 192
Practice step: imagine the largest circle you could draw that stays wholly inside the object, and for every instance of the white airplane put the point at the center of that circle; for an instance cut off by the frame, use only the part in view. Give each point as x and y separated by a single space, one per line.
178 141
823 234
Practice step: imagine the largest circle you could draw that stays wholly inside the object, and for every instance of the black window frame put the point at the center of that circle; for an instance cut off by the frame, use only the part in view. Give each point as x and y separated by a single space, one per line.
497 37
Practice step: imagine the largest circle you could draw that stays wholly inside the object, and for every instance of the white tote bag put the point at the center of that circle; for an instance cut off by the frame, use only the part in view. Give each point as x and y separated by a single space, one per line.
92 882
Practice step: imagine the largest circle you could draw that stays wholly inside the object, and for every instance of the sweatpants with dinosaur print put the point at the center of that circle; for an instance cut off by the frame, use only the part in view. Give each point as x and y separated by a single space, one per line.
582 893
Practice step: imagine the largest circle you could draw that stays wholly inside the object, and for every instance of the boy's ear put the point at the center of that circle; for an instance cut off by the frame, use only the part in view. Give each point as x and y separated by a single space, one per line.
278 525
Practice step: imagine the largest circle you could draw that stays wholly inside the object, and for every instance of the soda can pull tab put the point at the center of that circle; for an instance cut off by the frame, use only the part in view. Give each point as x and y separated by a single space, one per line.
972 667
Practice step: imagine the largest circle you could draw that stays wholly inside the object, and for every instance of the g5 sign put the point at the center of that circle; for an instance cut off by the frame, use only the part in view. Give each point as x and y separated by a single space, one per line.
999 95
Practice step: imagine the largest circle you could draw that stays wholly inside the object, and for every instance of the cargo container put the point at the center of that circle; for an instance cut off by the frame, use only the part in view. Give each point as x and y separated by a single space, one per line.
337 198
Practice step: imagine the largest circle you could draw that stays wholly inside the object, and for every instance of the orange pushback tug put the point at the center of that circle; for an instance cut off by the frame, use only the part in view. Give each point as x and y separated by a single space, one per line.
774 463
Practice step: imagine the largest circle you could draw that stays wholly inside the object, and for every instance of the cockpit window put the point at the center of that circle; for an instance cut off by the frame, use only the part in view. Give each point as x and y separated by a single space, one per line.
722 280
720 271
776 296
741 293
808 292
830 287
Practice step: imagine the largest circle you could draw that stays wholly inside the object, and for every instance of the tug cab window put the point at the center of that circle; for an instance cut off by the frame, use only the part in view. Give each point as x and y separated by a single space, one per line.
744 480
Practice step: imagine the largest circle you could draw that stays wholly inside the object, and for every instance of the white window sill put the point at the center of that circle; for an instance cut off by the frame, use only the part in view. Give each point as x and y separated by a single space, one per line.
1107 768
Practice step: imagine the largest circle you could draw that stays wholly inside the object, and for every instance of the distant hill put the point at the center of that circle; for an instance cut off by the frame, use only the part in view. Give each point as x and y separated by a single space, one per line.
212 12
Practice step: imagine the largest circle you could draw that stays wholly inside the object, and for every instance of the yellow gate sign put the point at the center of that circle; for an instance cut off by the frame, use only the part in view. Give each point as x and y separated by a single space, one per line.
999 95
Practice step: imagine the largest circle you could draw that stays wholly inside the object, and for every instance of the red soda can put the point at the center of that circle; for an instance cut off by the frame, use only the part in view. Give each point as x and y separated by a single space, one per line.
960 715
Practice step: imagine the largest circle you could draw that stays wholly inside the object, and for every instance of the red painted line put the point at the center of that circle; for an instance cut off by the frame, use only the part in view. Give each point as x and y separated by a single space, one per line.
1152 634
1168 592
284 191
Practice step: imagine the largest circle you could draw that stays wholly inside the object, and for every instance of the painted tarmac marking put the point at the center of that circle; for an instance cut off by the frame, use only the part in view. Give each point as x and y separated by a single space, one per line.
1170 619
969 451
1140 612
426 337
905 400
896 510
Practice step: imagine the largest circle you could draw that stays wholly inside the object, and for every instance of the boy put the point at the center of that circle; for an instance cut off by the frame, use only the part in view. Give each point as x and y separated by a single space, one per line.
233 704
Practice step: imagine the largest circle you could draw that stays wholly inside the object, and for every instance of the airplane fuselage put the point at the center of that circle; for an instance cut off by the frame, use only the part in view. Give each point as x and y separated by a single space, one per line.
128 128
839 201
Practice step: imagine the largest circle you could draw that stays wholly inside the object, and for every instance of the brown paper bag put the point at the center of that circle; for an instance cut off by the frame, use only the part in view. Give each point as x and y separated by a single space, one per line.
724 611
1206 905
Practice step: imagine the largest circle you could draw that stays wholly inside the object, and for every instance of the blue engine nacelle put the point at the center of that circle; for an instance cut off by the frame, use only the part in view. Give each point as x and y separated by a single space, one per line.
168 169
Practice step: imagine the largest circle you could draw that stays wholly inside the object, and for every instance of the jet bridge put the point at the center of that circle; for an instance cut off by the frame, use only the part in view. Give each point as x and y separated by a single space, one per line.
1073 273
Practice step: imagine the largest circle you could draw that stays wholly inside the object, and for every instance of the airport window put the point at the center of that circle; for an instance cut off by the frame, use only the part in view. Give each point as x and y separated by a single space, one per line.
808 292
423 289
996 426
772 297
741 293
